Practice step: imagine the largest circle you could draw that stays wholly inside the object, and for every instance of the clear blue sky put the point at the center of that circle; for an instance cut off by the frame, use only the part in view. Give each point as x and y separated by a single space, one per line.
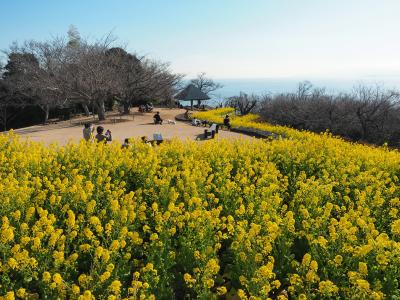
229 38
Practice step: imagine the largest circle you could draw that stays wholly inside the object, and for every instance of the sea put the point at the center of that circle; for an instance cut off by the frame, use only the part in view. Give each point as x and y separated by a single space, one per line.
233 87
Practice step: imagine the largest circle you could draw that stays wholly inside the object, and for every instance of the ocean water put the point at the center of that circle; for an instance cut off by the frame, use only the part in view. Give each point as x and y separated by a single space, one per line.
232 87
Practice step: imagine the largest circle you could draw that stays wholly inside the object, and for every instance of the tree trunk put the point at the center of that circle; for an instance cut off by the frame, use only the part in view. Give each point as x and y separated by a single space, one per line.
191 104
86 109
126 108
5 119
101 111
46 113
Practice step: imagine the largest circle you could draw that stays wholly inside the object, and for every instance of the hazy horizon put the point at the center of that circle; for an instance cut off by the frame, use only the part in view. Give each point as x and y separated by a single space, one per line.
260 86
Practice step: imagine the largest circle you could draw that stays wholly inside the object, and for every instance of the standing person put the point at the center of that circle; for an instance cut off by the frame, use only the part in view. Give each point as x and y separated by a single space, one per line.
227 122
157 118
100 137
88 131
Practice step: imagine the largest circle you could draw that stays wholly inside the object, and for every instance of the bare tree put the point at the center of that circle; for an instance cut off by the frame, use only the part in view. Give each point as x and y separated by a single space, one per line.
205 84
160 84
372 107
139 79
74 38
91 76
11 102
243 103
368 113
35 69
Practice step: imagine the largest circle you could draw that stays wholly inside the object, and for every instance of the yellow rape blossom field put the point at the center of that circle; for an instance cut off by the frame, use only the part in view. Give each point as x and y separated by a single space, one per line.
305 216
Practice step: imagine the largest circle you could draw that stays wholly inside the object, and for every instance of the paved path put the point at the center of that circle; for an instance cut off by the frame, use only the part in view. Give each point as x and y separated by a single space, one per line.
136 126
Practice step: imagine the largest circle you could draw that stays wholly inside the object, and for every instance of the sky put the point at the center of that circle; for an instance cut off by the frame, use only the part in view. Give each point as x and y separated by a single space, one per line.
229 38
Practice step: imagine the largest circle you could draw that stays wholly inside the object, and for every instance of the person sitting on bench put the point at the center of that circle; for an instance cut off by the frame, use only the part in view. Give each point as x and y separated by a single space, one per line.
196 122
227 122
157 118
149 107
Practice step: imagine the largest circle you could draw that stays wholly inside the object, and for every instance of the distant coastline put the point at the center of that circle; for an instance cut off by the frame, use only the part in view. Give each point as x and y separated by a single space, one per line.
233 87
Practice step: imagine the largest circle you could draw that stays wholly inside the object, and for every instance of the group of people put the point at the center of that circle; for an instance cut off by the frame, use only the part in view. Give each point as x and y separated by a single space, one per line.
88 132
148 107
88 135
197 122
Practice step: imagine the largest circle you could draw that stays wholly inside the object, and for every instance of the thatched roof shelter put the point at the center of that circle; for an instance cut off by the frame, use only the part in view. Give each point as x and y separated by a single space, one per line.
190 93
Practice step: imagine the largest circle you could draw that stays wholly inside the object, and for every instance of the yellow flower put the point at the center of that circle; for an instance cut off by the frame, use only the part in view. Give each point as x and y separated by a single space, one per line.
75 289
362 284
241 294
57 278
338 260
213 266
12 263
17 216
328 288
382 259
46 277
104 276
154 237
9 296
221 290
363 268
87 295
58 256
276 284
258 258
188 279
314 265
306 259
83 279
396 227
110 267
209 283
21 293
115 245
115 287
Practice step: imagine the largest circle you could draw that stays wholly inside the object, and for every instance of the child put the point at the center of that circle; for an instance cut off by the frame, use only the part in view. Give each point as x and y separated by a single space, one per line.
88 131
100 137
125 144
144 140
